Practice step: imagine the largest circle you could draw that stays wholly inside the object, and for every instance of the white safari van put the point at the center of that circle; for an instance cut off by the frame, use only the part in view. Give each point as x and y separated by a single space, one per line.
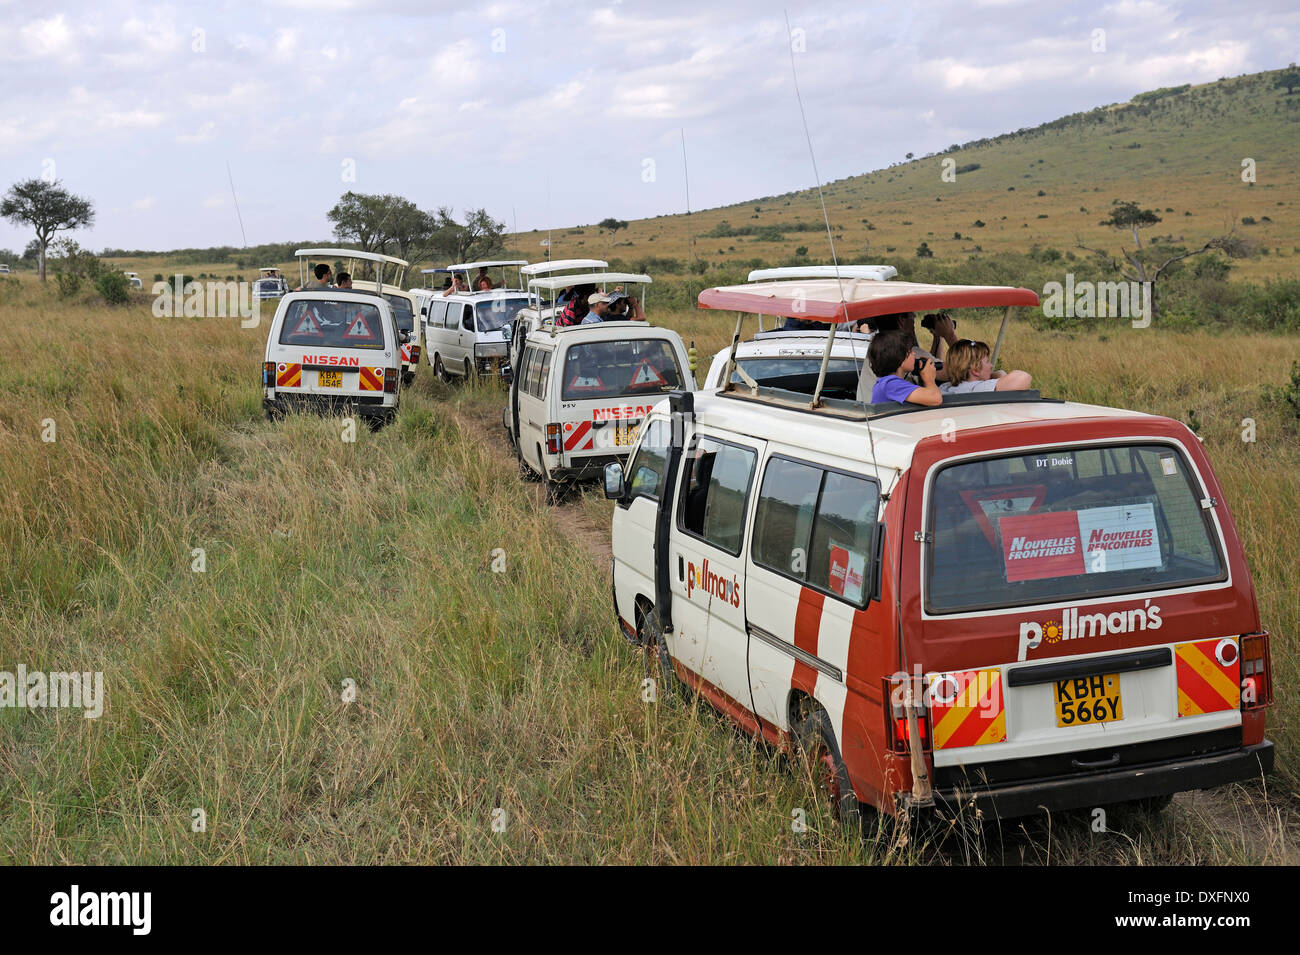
792 358
463 331
579 395
1005 603
336 351
380 275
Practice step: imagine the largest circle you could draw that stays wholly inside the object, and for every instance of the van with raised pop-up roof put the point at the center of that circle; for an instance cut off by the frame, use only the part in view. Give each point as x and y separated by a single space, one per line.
1005 603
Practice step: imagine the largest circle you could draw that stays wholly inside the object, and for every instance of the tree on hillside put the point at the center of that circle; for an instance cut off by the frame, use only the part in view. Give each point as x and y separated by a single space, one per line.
359 218
48 209
1147 263
479 236
1288 78
611 225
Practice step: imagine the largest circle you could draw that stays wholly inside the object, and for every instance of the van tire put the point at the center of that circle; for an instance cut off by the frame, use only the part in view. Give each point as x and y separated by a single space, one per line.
819 755
555 491
526 471
440 371
659 662
469 369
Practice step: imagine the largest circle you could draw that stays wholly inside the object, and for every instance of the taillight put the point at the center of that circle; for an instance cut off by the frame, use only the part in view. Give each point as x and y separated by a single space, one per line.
415 353
268 374
553 439
1256 672
896 720
390 381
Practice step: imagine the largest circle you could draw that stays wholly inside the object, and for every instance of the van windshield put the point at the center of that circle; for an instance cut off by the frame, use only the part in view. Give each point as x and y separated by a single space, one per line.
492 315
1064 524
615 369
328 324
402 313
800 374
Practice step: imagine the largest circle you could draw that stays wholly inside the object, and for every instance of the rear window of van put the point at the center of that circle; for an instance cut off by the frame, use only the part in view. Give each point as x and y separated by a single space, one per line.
617 369
1066 524
327 324
402 312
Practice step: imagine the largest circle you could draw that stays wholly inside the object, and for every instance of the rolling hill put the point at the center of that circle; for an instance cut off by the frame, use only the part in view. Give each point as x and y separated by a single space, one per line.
1179 151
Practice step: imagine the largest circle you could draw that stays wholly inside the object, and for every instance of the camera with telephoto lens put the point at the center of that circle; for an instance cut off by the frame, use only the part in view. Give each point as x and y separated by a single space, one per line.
928 321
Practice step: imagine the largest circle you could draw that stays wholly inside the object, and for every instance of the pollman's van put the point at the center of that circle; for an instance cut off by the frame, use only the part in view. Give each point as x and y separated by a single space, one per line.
580 393
1003 603
335 351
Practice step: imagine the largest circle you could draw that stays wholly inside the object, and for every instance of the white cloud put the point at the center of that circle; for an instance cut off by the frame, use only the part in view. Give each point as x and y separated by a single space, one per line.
143 204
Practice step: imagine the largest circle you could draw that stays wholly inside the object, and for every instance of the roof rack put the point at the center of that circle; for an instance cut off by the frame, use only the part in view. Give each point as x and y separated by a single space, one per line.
857 411
878 273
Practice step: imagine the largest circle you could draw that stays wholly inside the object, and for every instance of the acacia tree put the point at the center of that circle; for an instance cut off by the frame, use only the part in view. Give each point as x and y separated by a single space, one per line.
1147 263
48 209
1288 79
480 235
611 225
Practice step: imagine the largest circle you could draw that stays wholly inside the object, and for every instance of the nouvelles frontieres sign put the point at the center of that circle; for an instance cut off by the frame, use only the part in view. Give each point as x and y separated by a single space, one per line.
1066 543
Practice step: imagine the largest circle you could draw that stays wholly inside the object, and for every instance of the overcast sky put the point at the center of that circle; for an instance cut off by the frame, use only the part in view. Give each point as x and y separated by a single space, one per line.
549 112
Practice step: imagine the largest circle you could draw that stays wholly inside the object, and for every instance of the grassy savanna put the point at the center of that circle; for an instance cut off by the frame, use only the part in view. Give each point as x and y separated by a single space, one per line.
326 561
1179 154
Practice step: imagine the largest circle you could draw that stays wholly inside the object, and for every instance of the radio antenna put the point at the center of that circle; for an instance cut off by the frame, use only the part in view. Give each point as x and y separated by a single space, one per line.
238 214
830 238
690 235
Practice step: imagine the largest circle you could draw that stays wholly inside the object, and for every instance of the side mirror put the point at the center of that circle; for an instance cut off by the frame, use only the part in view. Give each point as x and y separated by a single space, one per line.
614 481
508 331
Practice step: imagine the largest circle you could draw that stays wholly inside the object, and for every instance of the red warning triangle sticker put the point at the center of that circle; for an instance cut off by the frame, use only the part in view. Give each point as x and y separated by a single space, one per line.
359 328
647 374
309 326
585 381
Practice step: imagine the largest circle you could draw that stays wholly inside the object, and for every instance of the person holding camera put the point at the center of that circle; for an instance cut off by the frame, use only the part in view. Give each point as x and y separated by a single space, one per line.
944 331
970 371
892 357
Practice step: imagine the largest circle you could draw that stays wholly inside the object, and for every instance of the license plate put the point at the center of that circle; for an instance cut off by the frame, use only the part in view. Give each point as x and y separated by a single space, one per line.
329 379
626 434
1088 699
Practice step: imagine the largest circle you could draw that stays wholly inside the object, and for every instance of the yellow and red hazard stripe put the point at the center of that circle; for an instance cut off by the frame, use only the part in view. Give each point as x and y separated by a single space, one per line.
1209 676
574 441
966 708
372 379
288 375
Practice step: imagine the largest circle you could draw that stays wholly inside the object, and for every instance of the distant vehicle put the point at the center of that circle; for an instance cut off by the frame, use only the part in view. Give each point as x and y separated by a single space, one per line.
380 275
4 269
134 279
580 393
463 329
270 284
333 350
791 359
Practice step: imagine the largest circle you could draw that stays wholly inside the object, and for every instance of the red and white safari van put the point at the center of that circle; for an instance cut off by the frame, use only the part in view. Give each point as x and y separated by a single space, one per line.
1005 603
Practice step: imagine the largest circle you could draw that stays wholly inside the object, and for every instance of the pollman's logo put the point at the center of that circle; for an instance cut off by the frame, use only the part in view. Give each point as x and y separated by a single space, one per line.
716 586
1076 626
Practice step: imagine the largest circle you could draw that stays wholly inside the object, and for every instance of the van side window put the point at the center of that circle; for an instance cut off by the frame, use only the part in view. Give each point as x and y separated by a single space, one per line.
437 313
816 526
787 503
840 555
543 372
527 363
715 492
467 318
647 468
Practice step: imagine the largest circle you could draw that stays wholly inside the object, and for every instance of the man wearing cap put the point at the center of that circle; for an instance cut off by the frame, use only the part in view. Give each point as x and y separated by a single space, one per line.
598 303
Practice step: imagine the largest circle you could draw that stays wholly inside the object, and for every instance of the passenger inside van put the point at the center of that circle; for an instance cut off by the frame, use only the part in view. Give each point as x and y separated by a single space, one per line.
576 310
457 285
892 356
970 371
624 308
793 324
945 334
483 281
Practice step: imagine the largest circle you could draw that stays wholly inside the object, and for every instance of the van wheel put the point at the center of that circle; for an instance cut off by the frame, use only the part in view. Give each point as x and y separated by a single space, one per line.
408 377
440 371
469 369
658 661
815 740
555 491
525 470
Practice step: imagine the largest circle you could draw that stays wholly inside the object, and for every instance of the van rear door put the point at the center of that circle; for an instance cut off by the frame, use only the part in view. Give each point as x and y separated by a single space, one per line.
333 348
1080 601
606 387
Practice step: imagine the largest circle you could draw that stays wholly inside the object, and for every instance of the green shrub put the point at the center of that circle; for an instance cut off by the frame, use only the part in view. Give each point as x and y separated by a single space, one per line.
69 283
115 287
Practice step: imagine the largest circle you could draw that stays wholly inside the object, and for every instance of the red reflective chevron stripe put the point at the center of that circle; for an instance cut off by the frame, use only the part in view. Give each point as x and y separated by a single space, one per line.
807 624
572 440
